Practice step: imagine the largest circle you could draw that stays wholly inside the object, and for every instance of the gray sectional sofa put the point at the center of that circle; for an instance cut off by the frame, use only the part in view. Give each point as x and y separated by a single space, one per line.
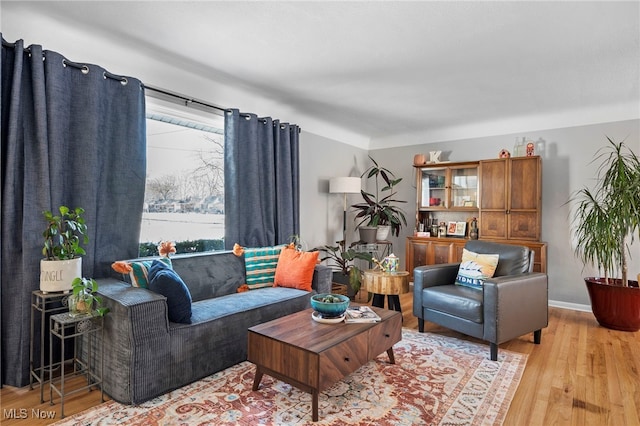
146 355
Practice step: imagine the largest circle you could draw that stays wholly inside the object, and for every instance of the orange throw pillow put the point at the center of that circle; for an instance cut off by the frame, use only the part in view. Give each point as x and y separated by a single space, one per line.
295 269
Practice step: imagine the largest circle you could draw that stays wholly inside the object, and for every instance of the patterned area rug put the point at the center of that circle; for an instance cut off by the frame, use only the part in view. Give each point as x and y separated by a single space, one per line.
437 380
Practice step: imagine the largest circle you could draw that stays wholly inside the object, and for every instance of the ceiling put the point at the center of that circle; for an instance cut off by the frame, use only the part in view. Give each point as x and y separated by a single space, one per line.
383 69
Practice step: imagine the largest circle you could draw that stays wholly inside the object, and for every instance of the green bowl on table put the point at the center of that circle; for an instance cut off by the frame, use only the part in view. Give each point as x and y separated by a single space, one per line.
330 305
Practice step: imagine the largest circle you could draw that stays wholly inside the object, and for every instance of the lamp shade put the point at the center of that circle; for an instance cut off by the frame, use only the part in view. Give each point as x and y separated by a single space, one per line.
345 185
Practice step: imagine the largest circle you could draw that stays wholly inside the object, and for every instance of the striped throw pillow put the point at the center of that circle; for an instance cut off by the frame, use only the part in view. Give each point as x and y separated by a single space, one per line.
139 274
260 264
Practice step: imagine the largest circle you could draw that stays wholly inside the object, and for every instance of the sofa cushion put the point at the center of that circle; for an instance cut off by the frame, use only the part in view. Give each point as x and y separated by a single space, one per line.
455 300
260 265
475 268
295 269
165 281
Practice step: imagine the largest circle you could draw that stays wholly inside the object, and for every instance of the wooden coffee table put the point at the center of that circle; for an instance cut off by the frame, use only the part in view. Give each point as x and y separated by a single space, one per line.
313 356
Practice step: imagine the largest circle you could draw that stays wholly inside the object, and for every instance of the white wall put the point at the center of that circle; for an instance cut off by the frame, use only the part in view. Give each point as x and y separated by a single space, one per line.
565 168
321 213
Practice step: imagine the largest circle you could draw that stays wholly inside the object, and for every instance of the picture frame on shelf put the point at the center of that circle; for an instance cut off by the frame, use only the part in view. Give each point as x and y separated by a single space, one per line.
456 229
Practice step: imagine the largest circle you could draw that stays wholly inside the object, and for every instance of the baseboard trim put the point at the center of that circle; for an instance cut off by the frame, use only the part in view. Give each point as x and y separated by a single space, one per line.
572 306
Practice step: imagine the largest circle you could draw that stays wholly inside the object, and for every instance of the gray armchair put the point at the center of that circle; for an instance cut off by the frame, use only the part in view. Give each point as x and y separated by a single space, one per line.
512 303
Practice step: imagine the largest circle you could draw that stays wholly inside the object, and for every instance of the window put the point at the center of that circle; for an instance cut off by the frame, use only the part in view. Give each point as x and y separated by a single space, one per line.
184 195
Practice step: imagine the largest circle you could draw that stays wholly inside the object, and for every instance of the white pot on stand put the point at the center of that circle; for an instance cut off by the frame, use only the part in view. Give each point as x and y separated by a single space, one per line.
57 275
383 232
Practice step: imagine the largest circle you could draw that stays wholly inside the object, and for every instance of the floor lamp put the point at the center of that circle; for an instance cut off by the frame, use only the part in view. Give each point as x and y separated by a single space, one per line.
345 185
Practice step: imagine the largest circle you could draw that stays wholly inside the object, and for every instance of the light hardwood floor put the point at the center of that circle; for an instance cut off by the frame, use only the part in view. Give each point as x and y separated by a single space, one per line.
581 374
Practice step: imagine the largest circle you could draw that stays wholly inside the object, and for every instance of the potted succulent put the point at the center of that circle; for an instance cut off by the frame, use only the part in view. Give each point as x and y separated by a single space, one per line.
85 300
345 270
62 248
380 209
606 219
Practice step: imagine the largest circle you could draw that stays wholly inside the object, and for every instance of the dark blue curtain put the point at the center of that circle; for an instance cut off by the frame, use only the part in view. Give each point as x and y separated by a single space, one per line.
74 135
262 192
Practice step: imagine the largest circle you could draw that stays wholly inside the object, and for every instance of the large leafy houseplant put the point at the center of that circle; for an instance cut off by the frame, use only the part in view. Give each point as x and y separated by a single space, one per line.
607 217
62 249
380 208
343 262
64 234
606 220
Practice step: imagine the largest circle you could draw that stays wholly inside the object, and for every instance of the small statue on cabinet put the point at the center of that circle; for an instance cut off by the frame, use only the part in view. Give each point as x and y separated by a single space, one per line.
504 154
530 149
473 231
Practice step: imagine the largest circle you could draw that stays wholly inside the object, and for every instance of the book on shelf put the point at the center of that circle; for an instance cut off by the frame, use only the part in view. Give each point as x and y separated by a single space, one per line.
355 314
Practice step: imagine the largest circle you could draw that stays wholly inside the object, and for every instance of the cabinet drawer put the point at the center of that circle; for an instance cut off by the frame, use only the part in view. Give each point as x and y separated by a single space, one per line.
342 359
385 335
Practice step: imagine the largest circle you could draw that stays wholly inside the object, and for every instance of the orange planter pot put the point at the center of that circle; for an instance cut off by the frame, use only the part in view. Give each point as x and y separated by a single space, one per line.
614 306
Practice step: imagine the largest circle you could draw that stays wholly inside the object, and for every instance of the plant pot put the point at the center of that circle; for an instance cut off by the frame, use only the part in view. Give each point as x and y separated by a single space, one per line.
368 234
79 305
614 306
383 232
340 278
57 275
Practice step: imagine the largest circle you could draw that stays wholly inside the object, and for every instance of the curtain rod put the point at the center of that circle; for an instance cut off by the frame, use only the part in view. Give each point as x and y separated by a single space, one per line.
187 100
67 63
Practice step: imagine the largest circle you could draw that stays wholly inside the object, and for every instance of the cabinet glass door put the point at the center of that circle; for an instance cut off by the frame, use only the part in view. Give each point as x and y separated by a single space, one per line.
433 187
464 187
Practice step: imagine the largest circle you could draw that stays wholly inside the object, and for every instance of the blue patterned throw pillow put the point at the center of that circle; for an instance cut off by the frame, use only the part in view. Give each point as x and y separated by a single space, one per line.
165 281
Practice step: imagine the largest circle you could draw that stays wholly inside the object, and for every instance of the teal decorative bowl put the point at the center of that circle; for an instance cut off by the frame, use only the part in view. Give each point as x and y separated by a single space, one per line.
330 309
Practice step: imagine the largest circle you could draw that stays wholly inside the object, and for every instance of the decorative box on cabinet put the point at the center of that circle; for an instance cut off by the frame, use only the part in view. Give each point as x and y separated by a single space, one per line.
510 198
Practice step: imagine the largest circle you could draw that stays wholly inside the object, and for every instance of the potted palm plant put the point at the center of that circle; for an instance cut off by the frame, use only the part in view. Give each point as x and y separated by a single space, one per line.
63 236
606 220
380 209
345 270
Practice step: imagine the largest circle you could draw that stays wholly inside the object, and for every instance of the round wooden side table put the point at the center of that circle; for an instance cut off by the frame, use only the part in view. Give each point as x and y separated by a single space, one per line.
391 284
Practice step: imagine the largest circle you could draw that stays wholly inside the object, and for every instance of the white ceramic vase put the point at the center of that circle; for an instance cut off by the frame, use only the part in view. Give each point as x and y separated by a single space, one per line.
57 275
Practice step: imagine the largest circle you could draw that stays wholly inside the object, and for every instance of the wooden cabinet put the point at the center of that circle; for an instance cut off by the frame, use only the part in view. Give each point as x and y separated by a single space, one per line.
505 194
510 198
431 251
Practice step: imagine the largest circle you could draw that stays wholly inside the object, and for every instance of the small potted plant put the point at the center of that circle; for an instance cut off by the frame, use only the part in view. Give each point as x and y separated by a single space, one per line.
62 248
345 270
605 221
379 209
84 300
